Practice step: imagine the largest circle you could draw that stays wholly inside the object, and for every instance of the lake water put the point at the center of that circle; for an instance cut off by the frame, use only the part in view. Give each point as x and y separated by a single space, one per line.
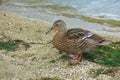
109 9
73 12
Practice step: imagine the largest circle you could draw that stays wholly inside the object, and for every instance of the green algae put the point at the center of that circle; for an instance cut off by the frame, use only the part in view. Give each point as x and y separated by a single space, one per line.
44 57
101 16
33 1
57 7
106 55
8 46
112 23
52 61
48 78
12 45
69 15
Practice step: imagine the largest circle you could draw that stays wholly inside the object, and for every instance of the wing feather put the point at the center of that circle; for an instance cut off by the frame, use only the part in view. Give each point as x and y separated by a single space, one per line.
75 33
79 34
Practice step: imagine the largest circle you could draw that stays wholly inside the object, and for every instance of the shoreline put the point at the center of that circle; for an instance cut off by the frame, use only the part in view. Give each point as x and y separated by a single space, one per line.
40 61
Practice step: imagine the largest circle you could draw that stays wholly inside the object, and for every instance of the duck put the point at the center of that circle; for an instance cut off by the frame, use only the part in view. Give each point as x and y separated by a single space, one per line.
75 41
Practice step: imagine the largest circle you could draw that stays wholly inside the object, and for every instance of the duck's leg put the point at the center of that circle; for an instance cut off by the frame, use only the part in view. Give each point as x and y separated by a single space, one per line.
80 56
77 58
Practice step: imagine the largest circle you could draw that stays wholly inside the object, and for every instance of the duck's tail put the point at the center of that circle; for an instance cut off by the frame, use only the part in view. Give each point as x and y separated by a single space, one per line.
105 42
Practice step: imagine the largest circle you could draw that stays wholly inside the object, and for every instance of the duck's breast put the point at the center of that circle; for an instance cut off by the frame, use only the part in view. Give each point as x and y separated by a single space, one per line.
74 45
66 45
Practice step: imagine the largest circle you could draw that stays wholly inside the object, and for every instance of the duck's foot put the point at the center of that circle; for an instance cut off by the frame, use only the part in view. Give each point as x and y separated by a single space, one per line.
74 61
72 56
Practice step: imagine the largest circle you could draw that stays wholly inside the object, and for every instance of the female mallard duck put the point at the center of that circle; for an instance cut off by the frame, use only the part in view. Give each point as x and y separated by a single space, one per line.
75 41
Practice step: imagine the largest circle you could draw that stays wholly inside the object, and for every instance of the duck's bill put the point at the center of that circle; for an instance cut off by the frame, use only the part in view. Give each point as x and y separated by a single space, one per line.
49 31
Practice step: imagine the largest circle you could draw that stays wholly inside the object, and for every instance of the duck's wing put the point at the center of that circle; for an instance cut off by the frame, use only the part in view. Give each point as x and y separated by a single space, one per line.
78 33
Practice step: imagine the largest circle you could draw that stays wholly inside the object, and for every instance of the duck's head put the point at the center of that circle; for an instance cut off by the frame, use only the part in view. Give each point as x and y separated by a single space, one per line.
58 26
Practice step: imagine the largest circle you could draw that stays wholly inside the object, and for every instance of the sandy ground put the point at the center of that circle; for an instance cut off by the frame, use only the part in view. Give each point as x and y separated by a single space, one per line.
41 61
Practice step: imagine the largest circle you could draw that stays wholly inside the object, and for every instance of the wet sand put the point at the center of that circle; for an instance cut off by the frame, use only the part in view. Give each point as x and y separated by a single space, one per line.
41 61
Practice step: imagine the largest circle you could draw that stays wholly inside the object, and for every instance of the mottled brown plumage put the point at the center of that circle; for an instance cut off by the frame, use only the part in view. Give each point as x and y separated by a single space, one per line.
76 40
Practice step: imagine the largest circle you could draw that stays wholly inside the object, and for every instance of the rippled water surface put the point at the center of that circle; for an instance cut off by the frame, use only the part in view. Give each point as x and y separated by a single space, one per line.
101 10
108 9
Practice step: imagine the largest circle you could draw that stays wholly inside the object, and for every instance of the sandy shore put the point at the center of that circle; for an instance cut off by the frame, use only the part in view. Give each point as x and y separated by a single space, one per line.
41 61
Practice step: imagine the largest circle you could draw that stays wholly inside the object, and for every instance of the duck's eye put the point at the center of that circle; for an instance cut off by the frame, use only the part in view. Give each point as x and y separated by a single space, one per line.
57 24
